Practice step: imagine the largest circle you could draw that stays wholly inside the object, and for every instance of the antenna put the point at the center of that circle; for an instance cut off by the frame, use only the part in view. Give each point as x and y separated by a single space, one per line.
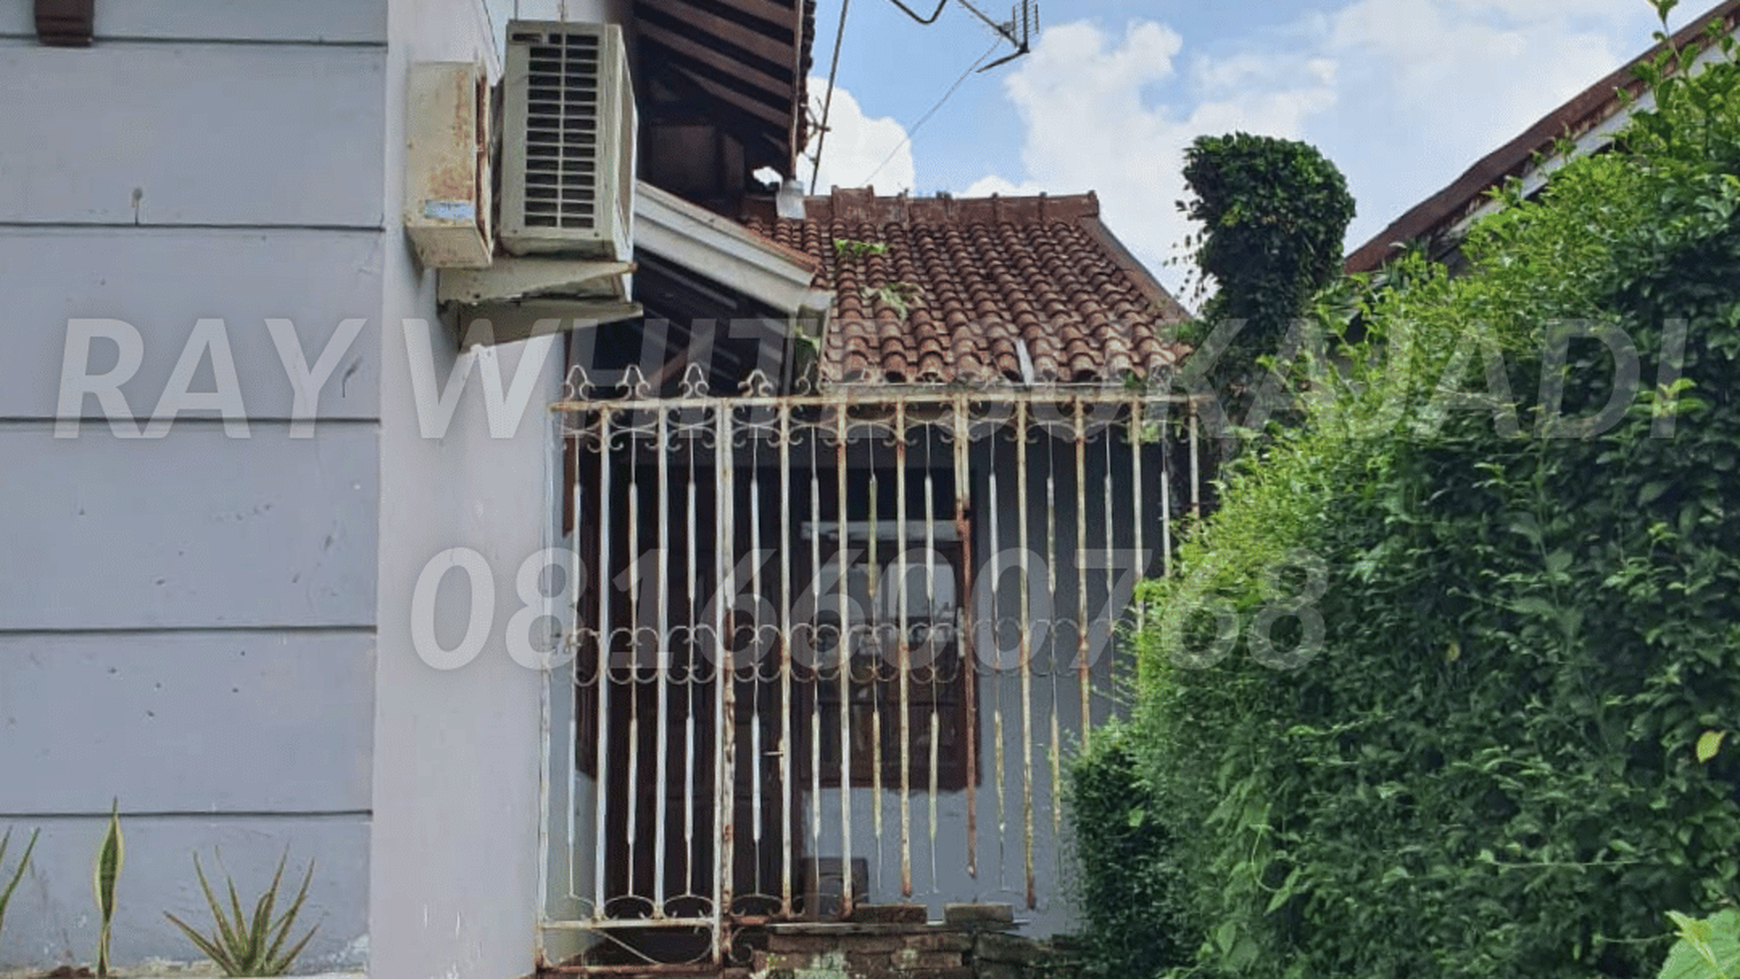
1023 18
1017 30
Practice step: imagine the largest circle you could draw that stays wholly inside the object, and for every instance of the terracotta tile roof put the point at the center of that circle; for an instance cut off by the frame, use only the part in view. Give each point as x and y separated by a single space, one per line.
980 279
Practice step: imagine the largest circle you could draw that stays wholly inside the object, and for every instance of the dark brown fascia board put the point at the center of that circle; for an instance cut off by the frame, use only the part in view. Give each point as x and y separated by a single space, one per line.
1584 111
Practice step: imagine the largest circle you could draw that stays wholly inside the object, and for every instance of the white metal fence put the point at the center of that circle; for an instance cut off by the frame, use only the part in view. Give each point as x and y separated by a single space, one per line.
834 648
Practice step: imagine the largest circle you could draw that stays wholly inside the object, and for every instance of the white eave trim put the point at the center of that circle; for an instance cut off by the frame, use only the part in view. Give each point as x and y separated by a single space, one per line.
1597 137
725 251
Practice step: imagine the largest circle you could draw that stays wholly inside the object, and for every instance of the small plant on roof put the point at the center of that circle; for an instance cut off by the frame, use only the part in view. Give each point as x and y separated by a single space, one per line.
902 296
241 947
110 856
853 248
18 873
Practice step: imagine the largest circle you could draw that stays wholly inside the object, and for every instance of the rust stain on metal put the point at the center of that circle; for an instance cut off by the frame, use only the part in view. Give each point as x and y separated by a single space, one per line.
1081 632
905 654
969 659
726 678
1025 638
456 178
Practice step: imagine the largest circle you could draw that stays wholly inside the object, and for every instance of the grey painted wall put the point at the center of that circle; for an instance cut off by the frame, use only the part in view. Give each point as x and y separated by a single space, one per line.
194 530
187 624
195 721
262 20
187 133
162 280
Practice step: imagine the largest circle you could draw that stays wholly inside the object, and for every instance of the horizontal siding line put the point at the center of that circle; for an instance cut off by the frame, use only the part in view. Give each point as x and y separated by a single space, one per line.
252 42
202 421
187 226
305 815
145 230
133 630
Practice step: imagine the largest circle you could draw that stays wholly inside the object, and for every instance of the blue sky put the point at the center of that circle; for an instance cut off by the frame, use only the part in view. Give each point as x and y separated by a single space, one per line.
1402 94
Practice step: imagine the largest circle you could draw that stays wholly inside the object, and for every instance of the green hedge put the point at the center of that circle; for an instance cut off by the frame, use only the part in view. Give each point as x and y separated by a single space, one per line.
1489 768
1124 880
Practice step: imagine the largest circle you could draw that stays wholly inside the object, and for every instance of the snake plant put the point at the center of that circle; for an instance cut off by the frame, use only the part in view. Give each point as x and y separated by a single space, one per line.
250 948
18 874
110 856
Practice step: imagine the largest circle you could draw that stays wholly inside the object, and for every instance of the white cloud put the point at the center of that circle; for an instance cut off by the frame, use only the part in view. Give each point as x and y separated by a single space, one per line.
1475 73
1401 94
1092 122
856 145
986 186
1539 11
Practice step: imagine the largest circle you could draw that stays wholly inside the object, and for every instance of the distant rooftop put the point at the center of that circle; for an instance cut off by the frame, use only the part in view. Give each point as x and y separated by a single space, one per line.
1433 219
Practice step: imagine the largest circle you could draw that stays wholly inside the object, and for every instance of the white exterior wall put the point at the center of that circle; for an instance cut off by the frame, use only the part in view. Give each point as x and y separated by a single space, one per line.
187 624
454 859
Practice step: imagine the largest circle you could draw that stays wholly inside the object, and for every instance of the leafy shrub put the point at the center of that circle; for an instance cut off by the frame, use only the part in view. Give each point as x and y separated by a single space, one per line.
1125 891
1707 949
1491 768
1273 214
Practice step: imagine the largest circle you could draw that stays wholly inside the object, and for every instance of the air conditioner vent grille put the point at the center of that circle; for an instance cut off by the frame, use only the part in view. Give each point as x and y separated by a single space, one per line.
562 114
568 149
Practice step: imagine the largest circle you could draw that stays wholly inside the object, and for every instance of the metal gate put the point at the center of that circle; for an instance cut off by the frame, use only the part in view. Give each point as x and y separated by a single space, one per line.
832 648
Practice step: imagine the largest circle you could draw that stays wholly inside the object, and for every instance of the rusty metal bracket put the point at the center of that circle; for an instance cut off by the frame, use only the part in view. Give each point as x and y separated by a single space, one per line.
65 23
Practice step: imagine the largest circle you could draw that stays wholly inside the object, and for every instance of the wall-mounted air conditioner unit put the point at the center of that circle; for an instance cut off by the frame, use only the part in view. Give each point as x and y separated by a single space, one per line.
568 137
447 195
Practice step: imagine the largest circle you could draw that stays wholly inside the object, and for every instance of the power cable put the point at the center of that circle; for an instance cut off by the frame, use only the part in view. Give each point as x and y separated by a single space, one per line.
922 20
828 101
913 130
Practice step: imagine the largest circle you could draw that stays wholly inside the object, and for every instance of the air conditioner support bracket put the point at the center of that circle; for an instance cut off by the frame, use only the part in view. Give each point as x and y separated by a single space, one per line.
518 278
491 323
